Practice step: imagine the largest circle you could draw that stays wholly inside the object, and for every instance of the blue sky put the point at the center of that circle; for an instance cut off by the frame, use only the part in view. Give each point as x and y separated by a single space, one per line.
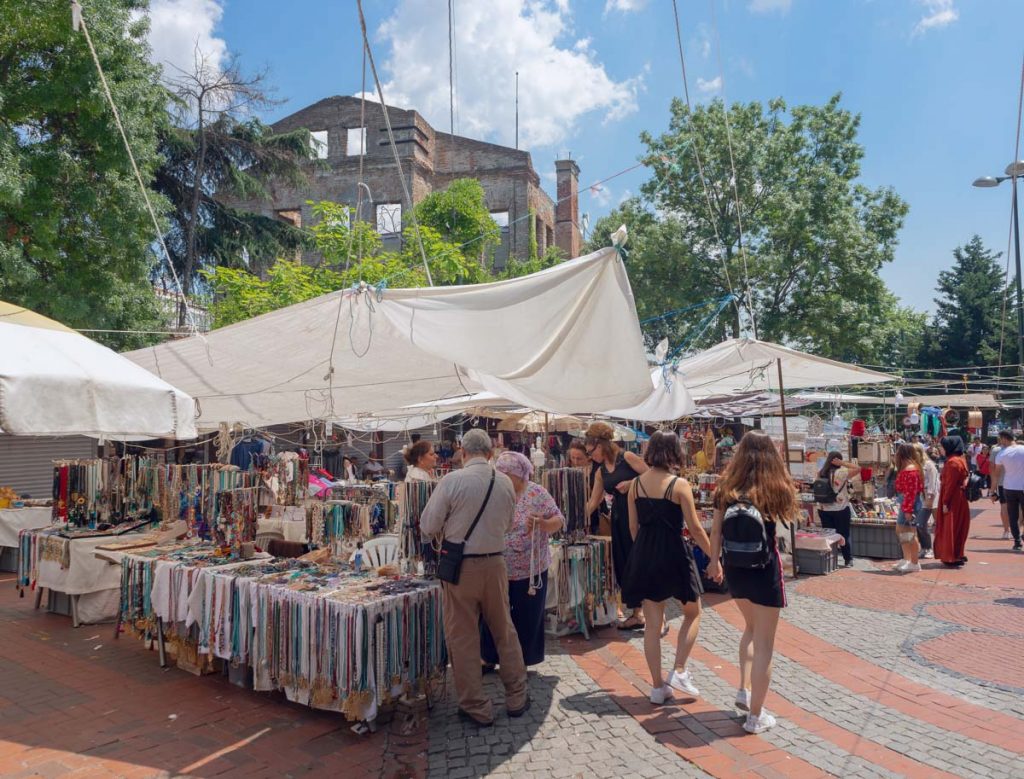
935 81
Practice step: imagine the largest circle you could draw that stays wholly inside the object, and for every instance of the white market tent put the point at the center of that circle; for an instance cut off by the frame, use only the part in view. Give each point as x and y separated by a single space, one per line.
743 365
541 341
55 381
669 400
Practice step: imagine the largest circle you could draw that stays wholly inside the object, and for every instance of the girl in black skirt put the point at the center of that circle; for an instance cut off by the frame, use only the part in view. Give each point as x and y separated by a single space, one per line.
661 565
756 475
616 471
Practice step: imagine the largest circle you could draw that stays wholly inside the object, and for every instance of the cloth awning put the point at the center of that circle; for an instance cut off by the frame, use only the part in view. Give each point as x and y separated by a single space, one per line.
670 400
55 381
744 365
543 341
754 404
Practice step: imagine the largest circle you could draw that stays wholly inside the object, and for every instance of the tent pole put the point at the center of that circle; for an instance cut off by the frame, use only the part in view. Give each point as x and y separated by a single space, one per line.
785 459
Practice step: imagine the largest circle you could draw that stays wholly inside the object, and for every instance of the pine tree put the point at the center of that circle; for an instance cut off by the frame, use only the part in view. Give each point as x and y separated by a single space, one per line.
968 323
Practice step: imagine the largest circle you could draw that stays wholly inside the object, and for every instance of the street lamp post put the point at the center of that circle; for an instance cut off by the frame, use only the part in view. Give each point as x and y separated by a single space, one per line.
1014 171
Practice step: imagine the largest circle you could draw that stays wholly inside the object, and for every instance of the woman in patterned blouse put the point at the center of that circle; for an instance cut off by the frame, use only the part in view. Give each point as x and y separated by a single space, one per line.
527 558
909 489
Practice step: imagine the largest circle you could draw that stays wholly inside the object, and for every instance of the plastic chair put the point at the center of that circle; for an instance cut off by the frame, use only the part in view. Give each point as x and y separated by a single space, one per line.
381 550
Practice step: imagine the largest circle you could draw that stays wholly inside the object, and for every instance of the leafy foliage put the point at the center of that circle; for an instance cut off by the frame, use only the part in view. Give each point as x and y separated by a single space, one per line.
968 322
460 216
813 238
75 235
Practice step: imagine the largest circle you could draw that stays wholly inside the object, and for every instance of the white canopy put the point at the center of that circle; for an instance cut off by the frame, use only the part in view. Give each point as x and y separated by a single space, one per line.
744 365
54 381
669 400
544 341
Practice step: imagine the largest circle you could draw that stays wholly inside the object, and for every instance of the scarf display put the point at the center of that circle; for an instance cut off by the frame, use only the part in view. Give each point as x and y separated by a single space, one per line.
585 591
568 487
415 496
329 637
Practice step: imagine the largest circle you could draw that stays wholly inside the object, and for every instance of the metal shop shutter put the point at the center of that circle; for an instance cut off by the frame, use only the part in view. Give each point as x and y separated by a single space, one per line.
26 462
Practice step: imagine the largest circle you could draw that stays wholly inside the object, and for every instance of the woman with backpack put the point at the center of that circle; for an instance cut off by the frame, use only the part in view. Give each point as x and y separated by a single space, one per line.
661 565
909 498
755 492
832 493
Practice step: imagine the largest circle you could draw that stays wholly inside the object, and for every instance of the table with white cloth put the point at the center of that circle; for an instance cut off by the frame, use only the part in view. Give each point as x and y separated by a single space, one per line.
14 520
290 530
48 561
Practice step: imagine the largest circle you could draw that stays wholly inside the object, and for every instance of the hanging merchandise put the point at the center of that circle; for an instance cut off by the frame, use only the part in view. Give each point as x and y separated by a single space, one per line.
568 487
974 420
584 590
89 493
415 497
189 493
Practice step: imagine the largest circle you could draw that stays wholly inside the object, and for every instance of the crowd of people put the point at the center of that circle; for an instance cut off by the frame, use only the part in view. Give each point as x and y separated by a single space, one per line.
501 521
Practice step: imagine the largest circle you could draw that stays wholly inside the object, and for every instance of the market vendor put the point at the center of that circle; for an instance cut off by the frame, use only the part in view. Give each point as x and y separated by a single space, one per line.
832 492
600 522
421 459
527 557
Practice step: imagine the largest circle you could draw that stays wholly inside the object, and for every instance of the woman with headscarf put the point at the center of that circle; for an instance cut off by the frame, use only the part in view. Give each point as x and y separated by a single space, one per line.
527 557
953 513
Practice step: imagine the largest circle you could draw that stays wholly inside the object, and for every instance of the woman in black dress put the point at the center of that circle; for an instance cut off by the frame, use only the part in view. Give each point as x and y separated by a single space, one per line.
756 476
661 565
616 474
578 458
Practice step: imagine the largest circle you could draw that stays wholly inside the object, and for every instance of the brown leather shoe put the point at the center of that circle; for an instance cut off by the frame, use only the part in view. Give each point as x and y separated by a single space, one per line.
521 711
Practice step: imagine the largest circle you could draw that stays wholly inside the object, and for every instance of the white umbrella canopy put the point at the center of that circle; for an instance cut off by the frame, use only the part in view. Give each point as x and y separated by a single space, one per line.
540 422
744 365
55 381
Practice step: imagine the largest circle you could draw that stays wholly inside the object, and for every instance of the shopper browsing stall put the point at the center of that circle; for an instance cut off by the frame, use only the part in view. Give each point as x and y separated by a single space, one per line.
931 491
527 558
754 494
471 510
421 459
578 458
617 471
832 491
661 565
909 487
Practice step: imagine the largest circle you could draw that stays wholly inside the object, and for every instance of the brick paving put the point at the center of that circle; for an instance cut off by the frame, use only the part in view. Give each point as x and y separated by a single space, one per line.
877 674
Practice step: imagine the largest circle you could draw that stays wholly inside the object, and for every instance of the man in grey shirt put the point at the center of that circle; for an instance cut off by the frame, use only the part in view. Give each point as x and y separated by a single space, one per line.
483 582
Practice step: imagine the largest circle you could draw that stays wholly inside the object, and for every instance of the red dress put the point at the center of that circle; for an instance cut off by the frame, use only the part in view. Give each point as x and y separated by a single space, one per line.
952 527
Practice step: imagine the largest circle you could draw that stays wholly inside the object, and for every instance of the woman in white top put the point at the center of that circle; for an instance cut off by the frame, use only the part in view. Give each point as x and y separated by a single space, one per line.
931 491
838 514
421 459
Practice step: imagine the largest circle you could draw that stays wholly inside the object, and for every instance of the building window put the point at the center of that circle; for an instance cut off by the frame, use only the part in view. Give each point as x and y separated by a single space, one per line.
389 218
318 144
550 236
501 217
355 141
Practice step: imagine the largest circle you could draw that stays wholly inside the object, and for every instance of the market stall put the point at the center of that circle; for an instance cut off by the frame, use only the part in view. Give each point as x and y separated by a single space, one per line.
12 522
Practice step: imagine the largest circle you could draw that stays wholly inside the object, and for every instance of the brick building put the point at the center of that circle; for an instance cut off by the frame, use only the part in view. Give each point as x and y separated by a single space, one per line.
430 160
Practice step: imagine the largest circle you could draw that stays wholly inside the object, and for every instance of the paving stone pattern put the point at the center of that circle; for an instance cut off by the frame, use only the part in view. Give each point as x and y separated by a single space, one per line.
876 675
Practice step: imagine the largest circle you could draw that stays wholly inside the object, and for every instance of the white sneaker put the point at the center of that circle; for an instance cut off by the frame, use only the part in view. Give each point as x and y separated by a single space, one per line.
927 554
912 568
660 695
1006 535
760 724
684 683
743 700
901 565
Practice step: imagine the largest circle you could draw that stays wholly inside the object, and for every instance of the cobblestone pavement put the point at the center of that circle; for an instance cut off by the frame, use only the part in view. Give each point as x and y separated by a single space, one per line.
877 674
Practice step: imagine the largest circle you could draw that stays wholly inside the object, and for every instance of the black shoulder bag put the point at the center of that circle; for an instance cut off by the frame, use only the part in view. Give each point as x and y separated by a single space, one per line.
449 562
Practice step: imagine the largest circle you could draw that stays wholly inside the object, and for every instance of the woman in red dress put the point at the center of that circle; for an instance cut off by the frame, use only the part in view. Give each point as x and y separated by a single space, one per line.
953 513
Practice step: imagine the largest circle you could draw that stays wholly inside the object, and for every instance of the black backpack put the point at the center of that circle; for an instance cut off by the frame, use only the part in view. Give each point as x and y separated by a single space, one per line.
745 541
973 489
823 491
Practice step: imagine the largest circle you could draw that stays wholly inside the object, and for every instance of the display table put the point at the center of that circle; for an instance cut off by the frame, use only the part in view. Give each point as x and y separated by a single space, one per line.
12 522
48 561
329 637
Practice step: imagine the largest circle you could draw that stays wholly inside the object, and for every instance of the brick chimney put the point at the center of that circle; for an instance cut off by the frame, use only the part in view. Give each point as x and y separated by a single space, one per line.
567 210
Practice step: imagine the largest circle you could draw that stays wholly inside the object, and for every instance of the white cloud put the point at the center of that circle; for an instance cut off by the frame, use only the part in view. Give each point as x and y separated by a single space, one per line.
561 81
938 13
624 6
770 6
709 87
178 28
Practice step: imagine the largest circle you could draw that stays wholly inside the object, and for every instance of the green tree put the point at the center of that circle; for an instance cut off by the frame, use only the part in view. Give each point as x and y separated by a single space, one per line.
813 238
214 153
75 235
968 322
460 216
